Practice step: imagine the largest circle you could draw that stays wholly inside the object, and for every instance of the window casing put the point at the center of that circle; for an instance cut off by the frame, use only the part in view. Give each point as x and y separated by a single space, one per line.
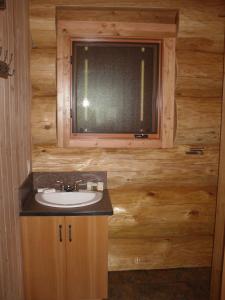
70 36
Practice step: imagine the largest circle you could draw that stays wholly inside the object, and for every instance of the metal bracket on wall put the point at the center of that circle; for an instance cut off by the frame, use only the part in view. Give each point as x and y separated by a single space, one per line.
196 150
5 67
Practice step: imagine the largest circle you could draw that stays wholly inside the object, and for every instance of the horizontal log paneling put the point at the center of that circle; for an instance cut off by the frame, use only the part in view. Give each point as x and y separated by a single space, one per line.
198 87
141 219
157 195
158 16
43 72
153 253
42 26
43 61
215 5
203 44
117 179
210 65
44 119
205 114
162 211
171 172
159 163
164 200
143 207
203 128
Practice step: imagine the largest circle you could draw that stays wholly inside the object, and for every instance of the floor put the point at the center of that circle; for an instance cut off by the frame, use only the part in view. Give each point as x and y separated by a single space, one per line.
171 284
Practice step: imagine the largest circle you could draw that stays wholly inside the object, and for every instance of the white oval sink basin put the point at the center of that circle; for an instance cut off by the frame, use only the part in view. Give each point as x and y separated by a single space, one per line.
68 199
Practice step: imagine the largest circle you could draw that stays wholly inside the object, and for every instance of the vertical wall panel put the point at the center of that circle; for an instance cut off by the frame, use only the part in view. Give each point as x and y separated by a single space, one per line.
218 263
14 143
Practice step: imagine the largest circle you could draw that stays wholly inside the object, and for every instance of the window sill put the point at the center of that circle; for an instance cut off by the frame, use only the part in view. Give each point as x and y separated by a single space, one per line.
114 142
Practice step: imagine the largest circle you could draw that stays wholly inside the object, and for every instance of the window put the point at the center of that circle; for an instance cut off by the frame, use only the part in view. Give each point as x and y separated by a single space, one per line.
115 78
115 88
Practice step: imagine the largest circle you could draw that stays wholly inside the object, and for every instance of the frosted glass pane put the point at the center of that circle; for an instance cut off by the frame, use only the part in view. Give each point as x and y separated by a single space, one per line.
115 87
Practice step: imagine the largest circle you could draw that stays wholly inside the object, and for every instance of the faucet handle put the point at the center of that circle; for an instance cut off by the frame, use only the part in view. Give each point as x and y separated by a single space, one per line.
78 180
61 184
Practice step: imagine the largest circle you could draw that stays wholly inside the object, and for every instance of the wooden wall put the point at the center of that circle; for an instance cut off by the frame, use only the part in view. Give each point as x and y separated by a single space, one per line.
218 262
15 152
164 200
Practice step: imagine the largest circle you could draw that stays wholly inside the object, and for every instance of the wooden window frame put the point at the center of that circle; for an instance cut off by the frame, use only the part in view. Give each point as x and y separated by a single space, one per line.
158 102
96 25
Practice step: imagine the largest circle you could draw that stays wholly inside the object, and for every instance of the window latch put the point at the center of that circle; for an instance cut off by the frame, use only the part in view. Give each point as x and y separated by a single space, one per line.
141 136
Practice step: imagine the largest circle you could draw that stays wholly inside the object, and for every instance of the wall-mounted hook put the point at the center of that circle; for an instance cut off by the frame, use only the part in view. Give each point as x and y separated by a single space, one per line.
6 56
11 73
10 60
5 70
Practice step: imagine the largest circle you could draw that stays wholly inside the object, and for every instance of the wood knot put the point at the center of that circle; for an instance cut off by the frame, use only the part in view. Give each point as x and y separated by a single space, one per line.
151 194
194 213
48 126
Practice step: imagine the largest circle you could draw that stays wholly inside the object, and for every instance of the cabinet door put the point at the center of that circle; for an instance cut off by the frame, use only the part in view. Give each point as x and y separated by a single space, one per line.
87 257
43 241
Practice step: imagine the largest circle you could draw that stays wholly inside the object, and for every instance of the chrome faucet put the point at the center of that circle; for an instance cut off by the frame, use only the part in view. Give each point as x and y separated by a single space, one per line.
65 187
77 185
68 187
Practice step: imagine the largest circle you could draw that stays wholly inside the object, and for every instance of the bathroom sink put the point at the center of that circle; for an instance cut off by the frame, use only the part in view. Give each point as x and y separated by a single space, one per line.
68 199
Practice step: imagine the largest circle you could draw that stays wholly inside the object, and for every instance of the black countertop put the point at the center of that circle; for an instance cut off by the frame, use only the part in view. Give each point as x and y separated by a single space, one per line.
30 207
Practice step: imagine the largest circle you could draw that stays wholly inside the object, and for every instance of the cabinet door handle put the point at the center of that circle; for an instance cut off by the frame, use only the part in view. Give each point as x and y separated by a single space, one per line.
70 233
60 233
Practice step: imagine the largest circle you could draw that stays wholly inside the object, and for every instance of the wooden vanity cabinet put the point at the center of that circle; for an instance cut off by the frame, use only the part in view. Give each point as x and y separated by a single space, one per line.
65 258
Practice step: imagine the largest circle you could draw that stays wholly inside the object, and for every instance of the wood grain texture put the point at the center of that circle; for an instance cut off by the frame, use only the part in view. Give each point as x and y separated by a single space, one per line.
179 218
145 183
173 196
63 87
168 92
87 257
43 33
157 16
218 265
65 258
43 72
43 257
205 123
44 119
15 147
94 22
163 166
126 254
210 65
222 289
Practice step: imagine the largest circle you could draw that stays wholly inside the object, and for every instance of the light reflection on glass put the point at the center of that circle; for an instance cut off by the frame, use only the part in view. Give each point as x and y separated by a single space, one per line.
85 102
